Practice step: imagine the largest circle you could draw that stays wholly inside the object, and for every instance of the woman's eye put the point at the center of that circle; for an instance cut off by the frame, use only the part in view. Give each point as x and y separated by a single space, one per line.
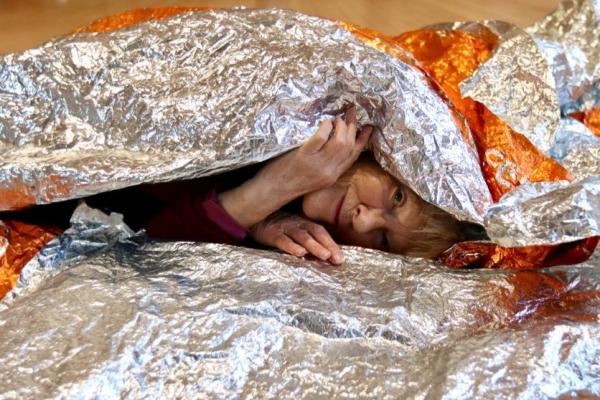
398 197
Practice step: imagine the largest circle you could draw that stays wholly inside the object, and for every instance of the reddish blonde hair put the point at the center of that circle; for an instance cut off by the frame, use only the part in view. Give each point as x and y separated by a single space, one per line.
438 232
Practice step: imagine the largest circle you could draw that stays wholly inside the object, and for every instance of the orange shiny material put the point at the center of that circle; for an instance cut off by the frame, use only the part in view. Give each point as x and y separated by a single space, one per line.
590 118
19 243
535 294
489 255
17 196
132 17
378 40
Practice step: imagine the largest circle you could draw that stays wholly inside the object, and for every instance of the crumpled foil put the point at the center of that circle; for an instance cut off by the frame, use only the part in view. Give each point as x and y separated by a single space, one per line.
526 100
577 148
577 205
19 243
570 40
519 84
107 315
552 66
205 92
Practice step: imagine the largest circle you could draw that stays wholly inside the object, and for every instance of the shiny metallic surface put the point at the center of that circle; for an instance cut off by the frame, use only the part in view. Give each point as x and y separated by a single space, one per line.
577 148
517 85
570 40
118 317
521 217
205 92
531 77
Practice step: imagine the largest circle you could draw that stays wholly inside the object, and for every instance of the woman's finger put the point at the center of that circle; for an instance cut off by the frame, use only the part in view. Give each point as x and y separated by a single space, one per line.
320 138
351 122
363 138
339 140
324 238
339 130
283 242
304 239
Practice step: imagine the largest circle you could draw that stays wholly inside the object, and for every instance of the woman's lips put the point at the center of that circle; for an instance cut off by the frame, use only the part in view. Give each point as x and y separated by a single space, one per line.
338 210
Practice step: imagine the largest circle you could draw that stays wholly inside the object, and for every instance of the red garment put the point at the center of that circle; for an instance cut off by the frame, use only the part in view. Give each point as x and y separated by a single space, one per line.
196 216
183 210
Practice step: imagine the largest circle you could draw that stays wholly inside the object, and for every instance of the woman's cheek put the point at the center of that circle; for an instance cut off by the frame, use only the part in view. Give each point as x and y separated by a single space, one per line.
315 205
308 207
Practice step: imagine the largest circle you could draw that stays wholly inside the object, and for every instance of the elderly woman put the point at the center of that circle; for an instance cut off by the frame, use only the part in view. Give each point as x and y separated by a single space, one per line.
345 197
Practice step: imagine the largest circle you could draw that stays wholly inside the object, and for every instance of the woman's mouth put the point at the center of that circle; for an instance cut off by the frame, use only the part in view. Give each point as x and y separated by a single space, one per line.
338 210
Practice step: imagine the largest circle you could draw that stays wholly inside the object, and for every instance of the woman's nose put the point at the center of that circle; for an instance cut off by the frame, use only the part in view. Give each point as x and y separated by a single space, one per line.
366 219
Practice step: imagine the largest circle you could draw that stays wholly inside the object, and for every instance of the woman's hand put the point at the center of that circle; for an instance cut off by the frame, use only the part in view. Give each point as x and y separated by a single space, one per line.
322 159
297 236
317 164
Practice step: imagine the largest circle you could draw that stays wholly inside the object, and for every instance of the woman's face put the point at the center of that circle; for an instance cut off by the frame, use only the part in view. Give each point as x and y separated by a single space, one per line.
367 207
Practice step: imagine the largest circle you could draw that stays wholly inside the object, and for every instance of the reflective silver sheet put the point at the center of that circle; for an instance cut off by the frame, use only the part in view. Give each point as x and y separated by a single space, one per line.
517 85
123 318
577 205
211 91
570 40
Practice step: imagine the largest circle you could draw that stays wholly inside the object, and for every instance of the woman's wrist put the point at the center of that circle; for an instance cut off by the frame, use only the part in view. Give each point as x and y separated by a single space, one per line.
256 199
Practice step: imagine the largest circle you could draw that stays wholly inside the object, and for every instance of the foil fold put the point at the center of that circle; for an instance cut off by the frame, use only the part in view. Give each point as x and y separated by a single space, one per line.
517 85
521 217
569 38
182 98
577 148
121 317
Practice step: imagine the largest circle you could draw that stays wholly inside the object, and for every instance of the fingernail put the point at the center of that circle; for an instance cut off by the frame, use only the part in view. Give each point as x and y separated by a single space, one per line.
337 259
325 255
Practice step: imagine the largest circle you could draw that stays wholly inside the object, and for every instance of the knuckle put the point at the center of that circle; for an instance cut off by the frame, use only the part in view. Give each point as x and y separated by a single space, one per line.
319 229
279 238
303 236
329 178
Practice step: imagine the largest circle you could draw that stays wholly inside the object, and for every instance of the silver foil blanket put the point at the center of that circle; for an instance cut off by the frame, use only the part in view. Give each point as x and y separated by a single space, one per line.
570 40
211 91
109 316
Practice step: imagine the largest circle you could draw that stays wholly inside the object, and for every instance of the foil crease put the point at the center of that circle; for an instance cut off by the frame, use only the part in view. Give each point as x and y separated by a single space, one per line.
521 217
143 319
530 88
577 148
517 85
205 92
570 40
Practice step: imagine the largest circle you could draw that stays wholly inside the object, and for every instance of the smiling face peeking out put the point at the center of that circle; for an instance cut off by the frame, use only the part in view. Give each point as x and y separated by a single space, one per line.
367 207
